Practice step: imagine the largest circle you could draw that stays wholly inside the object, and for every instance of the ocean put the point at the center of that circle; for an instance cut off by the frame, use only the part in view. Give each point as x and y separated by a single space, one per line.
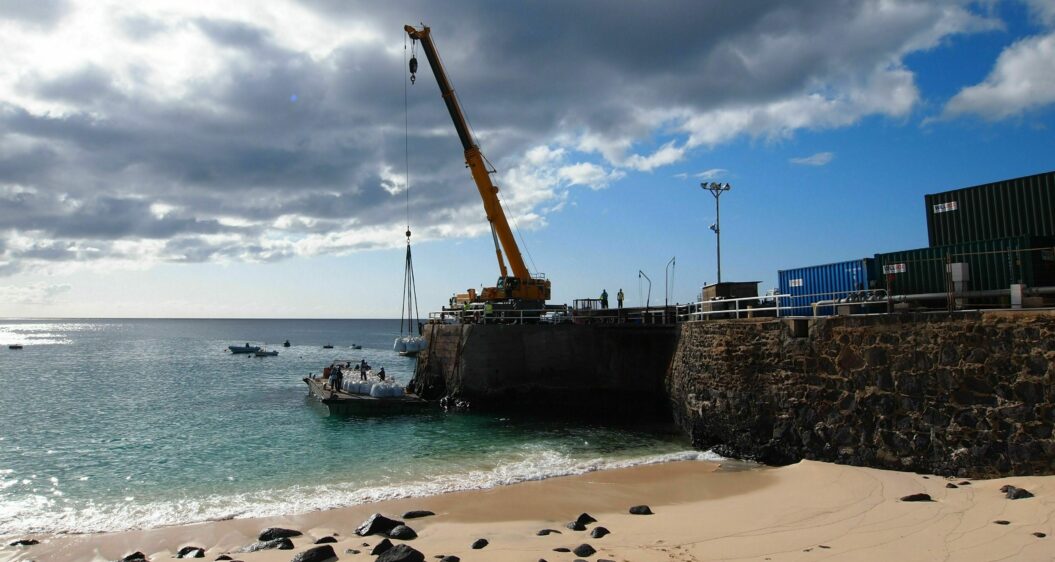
108 425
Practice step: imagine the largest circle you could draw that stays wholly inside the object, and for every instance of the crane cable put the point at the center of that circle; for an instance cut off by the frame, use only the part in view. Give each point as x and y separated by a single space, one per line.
410 293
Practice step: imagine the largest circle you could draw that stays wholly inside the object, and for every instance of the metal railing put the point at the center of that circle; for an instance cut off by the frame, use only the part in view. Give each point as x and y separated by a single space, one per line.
479 315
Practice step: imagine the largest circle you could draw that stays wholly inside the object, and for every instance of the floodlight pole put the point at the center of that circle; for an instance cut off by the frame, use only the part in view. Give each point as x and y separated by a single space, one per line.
716 189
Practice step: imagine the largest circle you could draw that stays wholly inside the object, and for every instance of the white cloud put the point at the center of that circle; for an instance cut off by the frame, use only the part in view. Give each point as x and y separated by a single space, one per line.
36 294
391 181
664 155
819 159
1022 79
713 173
588 174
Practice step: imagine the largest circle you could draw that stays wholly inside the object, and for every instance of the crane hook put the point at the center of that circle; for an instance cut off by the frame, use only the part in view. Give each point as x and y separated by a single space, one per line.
413 68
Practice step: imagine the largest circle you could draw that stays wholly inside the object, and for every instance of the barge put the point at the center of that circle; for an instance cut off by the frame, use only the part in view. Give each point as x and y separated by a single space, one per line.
362 398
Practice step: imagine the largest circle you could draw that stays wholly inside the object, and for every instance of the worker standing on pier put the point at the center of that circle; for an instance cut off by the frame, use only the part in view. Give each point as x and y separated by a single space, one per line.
488 309
619 298
604 299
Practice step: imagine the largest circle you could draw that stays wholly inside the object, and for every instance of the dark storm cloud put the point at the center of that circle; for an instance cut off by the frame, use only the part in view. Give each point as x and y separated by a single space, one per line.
313 137
89 85
38 12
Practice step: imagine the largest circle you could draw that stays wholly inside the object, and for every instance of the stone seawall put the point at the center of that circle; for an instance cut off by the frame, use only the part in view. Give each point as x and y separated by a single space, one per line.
561 369
967 394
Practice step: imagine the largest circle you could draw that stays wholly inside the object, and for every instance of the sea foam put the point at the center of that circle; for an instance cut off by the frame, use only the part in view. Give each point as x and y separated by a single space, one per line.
40 514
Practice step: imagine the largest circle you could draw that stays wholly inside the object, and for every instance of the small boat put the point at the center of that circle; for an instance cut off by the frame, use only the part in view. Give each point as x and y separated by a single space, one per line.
356 346
15 346
286 344
244 348
272 353
328 346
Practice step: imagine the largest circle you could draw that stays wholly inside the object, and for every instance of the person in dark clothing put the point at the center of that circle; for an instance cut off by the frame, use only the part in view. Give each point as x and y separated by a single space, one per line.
381 374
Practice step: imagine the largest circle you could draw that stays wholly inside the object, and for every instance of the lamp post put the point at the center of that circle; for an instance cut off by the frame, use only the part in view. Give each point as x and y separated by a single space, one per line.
716 189
641 274
668 284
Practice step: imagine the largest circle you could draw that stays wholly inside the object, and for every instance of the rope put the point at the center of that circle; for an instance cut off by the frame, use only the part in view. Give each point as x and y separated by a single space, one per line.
523 243
410 291
406 131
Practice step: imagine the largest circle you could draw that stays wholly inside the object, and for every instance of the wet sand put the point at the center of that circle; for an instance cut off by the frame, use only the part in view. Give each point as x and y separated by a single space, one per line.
806 511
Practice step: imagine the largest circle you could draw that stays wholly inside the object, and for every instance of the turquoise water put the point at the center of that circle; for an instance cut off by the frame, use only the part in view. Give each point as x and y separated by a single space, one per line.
116 424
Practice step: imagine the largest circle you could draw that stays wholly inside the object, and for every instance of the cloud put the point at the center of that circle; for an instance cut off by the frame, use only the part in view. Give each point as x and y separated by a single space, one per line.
145 132
713 173
44 13
1022 79
588 174
819 159
35 294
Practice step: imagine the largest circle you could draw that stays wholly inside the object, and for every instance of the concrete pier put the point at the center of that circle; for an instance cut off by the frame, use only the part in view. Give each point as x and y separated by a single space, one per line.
615 369
969 393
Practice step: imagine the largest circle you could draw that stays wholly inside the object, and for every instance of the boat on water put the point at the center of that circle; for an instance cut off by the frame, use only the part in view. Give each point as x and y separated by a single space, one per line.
262 353
356 346
244 348
356 396
328 346
15 346
286 343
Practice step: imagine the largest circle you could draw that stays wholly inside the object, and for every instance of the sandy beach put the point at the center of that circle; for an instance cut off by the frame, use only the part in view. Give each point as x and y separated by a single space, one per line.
806 511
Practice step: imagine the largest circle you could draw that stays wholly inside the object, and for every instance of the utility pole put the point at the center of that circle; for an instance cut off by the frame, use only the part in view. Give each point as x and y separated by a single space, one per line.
716 189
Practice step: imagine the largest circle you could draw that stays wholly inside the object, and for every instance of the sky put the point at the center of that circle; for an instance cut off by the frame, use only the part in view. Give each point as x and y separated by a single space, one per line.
166 158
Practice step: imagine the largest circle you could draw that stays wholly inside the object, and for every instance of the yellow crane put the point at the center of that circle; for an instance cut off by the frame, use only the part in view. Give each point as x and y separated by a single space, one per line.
521 286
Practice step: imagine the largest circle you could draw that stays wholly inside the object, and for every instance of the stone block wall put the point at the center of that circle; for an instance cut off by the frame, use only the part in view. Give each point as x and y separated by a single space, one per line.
968 394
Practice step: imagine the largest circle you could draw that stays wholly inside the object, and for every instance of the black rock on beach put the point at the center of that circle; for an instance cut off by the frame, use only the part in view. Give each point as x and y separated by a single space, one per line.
274 544
272 533
417 514
401 553
479 543
382 547
191 552
316 554
584 550
585 519
599 532
24 542
917 498
377 524
1015 493
641 510
403 533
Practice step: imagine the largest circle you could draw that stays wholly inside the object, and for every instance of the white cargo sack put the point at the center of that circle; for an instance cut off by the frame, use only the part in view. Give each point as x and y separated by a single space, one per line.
400 345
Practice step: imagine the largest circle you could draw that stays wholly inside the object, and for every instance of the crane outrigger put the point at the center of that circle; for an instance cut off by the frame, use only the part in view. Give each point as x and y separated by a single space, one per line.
521 288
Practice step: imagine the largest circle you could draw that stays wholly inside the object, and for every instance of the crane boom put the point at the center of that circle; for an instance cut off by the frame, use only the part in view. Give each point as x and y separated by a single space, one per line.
521 285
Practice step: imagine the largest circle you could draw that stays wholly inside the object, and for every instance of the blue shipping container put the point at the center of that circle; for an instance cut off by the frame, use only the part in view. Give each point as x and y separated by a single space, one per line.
807 285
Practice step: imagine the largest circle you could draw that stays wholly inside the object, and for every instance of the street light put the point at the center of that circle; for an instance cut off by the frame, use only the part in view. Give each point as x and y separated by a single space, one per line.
670 267
641 274
716 189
